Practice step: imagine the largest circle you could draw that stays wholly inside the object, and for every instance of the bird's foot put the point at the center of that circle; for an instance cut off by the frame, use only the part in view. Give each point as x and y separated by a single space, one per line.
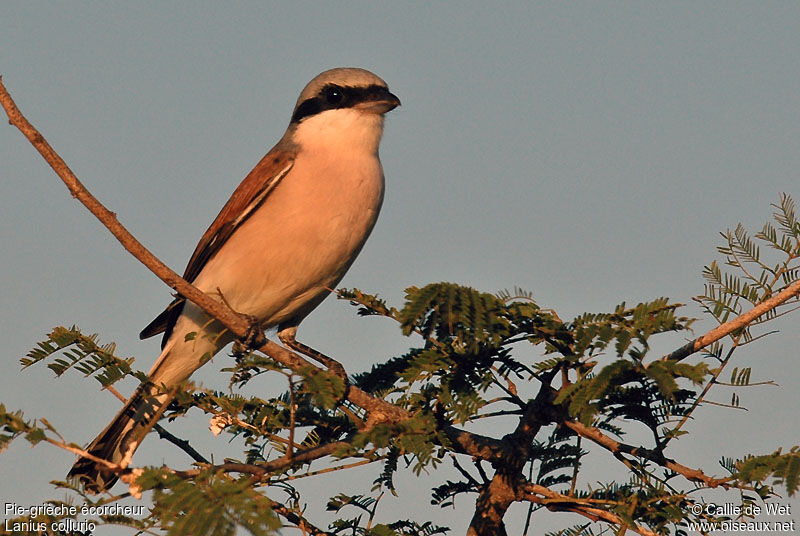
254 338
287 337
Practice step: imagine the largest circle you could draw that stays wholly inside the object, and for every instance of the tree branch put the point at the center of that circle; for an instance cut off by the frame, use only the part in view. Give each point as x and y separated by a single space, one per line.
493 501
299 521
739 322
109 219
557 502
614 446
182 444
259 470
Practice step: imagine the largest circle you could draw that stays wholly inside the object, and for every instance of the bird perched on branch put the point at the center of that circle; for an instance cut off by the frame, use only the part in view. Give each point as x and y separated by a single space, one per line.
287 234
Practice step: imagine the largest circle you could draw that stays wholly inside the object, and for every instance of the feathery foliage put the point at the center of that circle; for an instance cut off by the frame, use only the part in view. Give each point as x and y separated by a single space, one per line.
513 395
755 278
211 503
82 352
784 468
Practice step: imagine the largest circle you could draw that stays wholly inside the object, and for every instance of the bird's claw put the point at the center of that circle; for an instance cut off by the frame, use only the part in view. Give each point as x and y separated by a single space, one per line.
254 338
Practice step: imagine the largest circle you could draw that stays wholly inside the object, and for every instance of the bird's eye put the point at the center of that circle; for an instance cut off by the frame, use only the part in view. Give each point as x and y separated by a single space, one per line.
334 95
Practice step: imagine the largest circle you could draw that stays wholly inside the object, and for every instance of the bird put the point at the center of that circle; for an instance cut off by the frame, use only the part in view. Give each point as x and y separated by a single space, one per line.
286 236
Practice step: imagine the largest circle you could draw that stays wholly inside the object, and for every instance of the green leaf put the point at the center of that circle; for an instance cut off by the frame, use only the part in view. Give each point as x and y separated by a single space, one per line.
35 436
11 426
784 468
326 388
79 351
209 504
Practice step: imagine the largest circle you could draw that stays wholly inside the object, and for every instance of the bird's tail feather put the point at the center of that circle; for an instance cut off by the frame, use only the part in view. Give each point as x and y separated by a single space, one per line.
121 437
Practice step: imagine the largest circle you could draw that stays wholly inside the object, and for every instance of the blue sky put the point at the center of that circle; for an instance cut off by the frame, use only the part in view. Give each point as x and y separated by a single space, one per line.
587 151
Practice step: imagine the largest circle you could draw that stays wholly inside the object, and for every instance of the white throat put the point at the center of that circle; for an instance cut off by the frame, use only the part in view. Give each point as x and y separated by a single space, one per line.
350 130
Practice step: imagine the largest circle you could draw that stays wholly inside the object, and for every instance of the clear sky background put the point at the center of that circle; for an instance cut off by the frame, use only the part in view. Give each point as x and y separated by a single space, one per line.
589 152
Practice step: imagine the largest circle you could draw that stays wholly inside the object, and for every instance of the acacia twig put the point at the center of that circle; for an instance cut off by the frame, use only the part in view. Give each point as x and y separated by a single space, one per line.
557 502
741 321
182 444
614 446
298 520
261 469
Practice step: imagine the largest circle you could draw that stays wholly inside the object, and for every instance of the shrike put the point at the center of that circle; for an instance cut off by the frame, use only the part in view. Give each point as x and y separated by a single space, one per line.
288 234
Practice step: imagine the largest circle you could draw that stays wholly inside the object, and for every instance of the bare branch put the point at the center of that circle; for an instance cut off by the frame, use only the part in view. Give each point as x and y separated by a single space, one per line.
464 472
109 219
182 444
330 469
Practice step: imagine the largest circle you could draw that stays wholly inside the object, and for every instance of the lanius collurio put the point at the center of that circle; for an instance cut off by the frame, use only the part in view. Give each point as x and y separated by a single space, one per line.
287 234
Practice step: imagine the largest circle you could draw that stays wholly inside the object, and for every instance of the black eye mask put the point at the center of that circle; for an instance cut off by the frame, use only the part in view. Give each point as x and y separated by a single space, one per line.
333 97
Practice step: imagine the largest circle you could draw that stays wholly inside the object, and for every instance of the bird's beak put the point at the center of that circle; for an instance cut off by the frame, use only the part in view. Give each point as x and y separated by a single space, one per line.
380 103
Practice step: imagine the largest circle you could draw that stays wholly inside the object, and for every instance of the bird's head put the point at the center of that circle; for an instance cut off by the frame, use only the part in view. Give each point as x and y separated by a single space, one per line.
344 103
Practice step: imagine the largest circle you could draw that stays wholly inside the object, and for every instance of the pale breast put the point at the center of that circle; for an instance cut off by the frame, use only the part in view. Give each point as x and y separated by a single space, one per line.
302 238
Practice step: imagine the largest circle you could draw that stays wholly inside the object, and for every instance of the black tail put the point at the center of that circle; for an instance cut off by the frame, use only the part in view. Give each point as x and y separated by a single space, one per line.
120 439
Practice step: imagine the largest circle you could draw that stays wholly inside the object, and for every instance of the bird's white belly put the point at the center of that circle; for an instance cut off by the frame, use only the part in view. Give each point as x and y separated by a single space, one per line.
277 265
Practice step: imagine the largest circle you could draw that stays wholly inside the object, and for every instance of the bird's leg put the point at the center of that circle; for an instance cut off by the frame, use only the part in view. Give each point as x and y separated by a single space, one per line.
287 337
255 335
